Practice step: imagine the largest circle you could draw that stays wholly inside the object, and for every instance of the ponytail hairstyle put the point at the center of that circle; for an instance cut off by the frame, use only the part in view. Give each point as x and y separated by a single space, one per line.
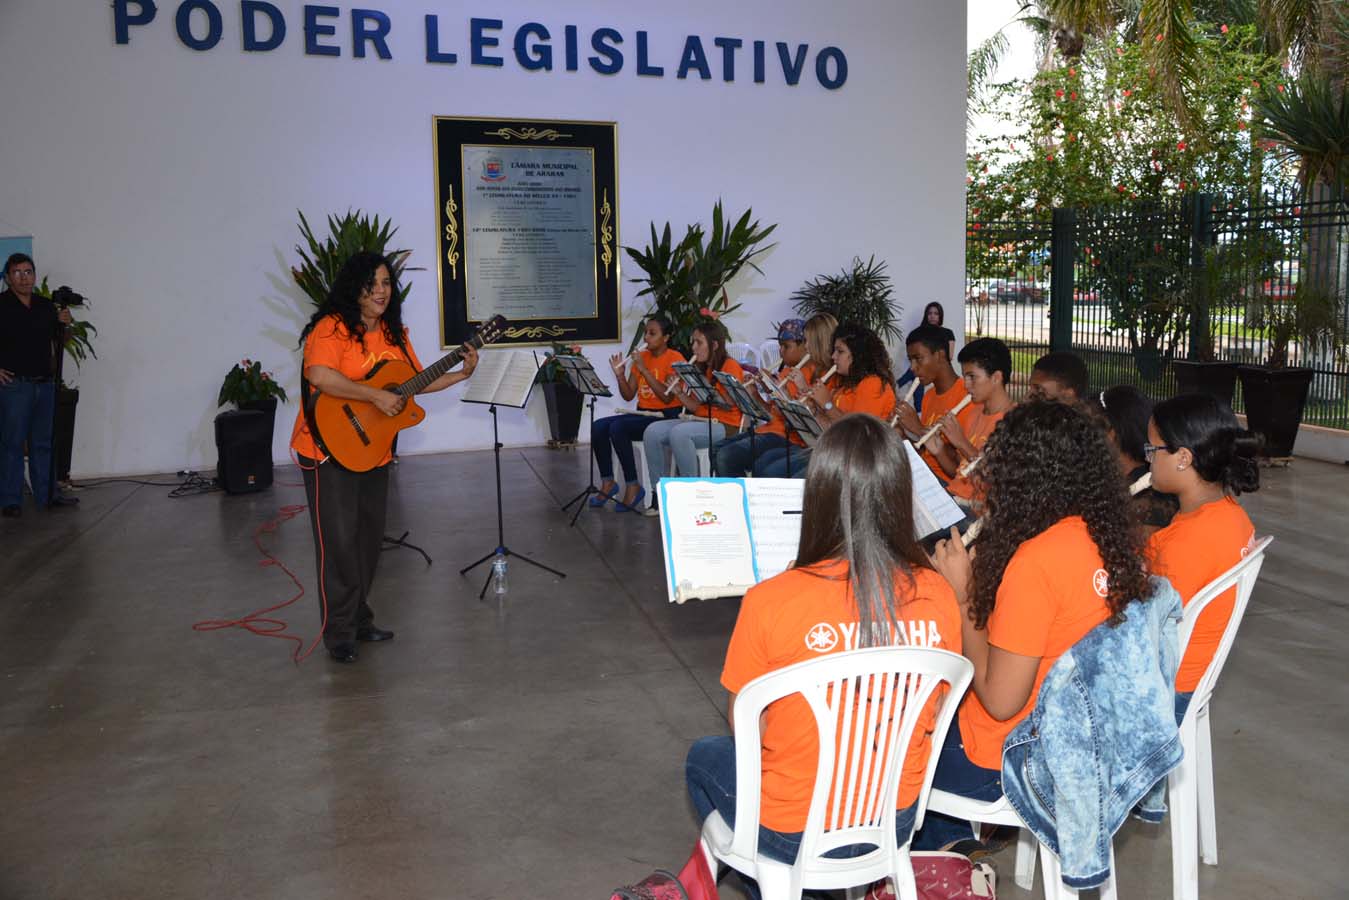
869 356
858 507
820 342
1224 452
716 336
1127 410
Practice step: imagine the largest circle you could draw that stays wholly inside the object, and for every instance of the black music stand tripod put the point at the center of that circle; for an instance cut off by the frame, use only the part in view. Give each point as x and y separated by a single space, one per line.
582 376
501 547
703 392
752 411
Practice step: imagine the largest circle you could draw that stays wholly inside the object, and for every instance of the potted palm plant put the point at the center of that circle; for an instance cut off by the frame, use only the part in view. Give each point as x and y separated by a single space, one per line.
861 295
322 258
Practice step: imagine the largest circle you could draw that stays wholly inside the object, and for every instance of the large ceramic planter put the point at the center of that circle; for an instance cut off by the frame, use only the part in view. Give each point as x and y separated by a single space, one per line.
63 430
1216 378
564 404
1275 399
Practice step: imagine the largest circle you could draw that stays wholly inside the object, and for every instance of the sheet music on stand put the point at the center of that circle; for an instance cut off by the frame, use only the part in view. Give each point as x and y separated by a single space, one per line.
698 386
933 508
802 420
740 395
582 375
502 378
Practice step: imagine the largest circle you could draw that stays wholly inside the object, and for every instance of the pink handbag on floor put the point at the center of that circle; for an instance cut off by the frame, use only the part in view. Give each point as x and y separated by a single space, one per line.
944 876
694 882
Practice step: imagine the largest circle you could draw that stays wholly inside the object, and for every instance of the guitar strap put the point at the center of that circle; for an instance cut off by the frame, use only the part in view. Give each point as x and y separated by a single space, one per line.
308 399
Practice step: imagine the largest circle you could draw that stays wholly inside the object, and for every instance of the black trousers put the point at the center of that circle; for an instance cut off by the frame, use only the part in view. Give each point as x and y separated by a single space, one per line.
346 510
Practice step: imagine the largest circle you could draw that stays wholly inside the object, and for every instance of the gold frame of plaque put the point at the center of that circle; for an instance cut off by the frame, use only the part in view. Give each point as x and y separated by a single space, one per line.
527 227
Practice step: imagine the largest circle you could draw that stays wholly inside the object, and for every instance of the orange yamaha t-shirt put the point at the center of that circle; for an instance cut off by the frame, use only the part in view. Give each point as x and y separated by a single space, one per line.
804 614
980 430
872 395
935 406
729 417
1052 593
778 425
1192 551
331 345
662 367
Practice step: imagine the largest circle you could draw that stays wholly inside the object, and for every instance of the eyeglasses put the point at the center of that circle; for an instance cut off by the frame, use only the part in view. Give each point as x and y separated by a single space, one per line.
1150 450
22 273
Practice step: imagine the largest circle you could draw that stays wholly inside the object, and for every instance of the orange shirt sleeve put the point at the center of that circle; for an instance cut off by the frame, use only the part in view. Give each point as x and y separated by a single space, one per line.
326 344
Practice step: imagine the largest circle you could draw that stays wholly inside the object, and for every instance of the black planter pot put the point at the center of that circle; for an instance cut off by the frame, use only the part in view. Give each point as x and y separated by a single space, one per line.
1149 362
266 405
564 404
63 430
1216 378
1275 399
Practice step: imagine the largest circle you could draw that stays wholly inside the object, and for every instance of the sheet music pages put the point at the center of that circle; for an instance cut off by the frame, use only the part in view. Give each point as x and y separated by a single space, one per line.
774 521
503 377
706 530
933 508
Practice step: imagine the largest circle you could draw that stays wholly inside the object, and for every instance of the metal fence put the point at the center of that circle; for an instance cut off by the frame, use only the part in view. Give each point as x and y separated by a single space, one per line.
1131 288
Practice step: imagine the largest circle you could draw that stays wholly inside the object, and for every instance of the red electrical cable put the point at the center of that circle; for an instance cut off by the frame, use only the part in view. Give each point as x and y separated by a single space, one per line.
259 622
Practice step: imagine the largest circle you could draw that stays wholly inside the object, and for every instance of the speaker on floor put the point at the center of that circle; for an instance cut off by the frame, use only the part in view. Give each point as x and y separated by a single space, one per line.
243 439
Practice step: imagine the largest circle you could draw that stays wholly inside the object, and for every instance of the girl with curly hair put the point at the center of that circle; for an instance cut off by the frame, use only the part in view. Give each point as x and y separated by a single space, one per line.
358 326
1200 453
685 436
1059 554
862 384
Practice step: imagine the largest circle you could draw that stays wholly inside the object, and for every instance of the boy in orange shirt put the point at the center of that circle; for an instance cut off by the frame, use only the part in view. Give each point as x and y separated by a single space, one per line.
1059 376
986 364
928 357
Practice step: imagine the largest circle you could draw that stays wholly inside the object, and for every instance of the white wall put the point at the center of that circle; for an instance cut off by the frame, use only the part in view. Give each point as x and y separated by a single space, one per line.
163 182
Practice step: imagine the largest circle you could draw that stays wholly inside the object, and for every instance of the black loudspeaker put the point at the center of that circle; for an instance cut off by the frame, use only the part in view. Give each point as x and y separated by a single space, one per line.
243 439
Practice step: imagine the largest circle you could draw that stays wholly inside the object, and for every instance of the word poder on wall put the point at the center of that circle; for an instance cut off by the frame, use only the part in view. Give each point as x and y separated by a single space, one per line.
263 27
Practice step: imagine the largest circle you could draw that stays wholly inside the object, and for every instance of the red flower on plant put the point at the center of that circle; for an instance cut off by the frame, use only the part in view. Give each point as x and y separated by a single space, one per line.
1120 188
1279 89
1128 92
709 313
1180 145
1049 157
1241 126
1073 95
1072 73
1059 93
1160 36
1223 29
1183 185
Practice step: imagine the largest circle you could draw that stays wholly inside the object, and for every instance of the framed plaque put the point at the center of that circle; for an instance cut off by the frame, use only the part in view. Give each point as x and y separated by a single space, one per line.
527 223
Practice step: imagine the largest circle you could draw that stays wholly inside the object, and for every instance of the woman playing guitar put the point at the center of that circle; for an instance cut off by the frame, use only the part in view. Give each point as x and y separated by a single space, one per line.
359 325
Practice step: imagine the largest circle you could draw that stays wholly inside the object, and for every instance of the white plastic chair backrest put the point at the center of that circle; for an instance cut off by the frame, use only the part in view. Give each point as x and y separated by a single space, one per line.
770 355
867 704
1242 576
743 354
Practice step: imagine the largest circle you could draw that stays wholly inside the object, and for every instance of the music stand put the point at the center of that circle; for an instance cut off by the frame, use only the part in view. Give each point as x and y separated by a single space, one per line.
754 412
582 376
801 420
702 391
505 387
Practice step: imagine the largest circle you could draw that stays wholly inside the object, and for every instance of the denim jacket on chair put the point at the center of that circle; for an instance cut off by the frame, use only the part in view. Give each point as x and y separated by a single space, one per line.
1101 738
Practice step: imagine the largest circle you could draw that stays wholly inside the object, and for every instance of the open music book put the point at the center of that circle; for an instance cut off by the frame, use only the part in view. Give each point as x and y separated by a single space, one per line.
722 536
503 377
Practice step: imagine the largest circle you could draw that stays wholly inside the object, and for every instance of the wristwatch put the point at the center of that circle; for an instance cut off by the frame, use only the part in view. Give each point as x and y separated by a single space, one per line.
828 405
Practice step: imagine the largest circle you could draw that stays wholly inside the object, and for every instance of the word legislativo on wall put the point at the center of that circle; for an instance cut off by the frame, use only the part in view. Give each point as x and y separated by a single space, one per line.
200 25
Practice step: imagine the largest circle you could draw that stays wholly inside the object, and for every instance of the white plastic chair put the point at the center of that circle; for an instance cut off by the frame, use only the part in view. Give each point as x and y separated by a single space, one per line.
866 703
1194 827
644 476
770 355
743 354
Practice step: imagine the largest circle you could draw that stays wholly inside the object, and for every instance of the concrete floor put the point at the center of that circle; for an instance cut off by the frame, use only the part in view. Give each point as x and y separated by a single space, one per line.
526 749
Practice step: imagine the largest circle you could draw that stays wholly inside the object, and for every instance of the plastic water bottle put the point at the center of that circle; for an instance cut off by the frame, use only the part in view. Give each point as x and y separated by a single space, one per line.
499 574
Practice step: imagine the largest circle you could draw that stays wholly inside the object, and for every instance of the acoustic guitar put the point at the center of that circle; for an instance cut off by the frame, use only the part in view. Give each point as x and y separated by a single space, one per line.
355 434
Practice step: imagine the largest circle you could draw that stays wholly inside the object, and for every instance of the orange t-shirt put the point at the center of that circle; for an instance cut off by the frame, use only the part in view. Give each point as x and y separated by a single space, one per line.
980 430
331 345
871 395
662 367
935 406
1052 593
729 417
778 425
803 614
1192 551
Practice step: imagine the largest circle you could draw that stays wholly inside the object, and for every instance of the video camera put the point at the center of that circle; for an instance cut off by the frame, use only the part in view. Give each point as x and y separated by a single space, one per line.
64 296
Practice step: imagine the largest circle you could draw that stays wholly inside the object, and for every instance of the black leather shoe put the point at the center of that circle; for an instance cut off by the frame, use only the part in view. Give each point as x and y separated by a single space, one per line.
343 653
11 512
63 501
372 635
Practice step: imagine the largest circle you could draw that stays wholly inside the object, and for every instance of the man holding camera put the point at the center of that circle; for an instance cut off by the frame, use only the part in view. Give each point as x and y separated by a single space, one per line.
31 334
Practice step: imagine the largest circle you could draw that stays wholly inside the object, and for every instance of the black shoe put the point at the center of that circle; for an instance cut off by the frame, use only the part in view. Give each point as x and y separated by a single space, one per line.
11 512
370 634
343 653
63 501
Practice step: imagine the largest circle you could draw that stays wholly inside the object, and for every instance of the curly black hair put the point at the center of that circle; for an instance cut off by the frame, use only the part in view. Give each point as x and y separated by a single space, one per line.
1044 462
357 276
869 356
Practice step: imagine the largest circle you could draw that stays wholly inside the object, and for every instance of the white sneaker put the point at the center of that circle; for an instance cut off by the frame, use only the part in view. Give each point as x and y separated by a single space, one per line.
651 512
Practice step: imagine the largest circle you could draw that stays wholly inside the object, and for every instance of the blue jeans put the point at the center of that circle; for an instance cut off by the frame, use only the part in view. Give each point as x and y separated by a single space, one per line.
773 464
26 410
613 435
684 437
1183 699
956 775
709 772
737 453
